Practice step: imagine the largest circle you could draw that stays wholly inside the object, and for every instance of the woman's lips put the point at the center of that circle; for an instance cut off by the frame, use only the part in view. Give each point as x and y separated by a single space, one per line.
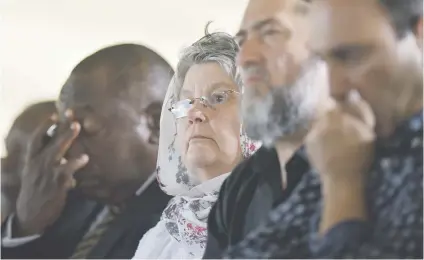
199 138
253 79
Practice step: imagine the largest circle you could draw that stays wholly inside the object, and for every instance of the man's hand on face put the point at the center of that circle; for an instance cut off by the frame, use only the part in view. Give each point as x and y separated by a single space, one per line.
47 177
341 144
341 148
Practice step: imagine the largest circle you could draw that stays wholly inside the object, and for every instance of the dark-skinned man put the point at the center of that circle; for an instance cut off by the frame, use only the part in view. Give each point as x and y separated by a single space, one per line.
89 191
15 143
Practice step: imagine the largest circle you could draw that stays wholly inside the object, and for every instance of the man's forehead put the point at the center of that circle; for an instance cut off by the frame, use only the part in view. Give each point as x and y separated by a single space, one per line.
339 22
104 101
261 10
82 93
78 106
86 95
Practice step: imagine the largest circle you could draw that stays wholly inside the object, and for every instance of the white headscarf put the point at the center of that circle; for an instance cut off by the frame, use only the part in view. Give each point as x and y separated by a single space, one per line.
185 217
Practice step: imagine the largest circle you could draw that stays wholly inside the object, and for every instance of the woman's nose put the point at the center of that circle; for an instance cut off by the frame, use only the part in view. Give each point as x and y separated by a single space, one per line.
196 115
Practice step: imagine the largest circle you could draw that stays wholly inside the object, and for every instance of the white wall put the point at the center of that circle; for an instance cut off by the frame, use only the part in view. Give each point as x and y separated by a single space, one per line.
42 40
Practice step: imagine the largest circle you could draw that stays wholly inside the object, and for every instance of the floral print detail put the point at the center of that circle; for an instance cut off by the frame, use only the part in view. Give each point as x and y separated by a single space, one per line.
158 178
186 219
171 148
182 175
248 145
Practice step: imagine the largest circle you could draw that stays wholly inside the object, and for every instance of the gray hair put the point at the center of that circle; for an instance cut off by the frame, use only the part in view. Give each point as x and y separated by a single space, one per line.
216 47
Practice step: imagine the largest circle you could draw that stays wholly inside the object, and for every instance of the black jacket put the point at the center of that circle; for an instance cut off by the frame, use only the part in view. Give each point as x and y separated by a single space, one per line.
247 196
119 241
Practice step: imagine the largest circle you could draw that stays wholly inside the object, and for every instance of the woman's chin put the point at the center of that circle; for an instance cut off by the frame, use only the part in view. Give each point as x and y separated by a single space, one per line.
201 155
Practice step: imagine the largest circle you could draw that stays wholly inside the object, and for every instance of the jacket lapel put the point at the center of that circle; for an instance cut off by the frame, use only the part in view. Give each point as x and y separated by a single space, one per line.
141 214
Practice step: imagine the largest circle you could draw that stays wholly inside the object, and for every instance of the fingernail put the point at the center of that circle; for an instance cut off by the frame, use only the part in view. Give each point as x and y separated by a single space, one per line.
63 161
84 158
75 126
69 113
54 117
50 132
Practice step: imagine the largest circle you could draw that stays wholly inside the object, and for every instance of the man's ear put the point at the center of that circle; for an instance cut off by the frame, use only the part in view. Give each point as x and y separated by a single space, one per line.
154 137
419 33
153 113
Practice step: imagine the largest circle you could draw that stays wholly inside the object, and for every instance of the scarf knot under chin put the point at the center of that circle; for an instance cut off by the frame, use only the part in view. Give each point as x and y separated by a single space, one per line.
186 216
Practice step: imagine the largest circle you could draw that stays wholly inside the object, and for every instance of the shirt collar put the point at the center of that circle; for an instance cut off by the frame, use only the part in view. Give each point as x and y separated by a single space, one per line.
265 158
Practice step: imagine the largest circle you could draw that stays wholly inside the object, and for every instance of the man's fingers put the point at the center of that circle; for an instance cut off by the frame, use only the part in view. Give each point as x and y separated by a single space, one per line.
69 114
63 161
358 108
39 136
68 169
71 183
65 140
74 165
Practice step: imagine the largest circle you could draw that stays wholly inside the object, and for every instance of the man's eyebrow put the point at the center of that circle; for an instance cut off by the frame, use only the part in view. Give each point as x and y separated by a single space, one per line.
260 24
350 48
301 8
257 26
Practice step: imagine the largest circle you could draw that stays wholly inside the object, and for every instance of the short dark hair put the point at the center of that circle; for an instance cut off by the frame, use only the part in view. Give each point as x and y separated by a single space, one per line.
122 68
404 14
119 57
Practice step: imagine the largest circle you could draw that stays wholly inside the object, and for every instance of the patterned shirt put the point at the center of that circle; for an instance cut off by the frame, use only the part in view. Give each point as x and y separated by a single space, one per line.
395 206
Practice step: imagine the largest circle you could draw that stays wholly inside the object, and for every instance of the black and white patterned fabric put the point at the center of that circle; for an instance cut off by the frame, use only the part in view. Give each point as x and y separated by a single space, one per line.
395 202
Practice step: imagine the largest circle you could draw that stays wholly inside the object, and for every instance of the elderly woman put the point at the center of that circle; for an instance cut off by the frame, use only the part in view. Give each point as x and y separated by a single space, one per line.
201 141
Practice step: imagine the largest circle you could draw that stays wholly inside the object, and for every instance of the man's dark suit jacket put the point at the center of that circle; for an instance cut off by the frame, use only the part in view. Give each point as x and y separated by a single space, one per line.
120 241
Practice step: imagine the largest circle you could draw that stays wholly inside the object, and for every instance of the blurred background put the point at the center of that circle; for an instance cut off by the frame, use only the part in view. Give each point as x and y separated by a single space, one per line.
43 40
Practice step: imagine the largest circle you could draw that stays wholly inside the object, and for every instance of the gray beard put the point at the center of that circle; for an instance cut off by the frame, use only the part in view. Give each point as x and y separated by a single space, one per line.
283 111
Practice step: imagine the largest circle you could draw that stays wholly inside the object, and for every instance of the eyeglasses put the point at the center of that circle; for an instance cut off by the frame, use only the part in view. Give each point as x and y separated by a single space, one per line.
180 108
